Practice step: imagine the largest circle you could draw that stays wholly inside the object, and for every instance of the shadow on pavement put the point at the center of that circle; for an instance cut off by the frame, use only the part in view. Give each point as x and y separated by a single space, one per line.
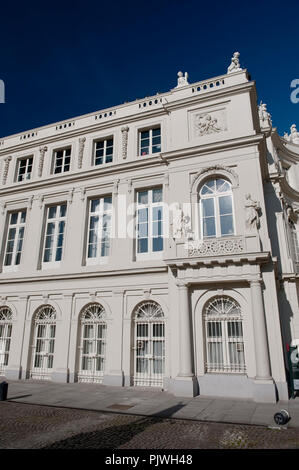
113 437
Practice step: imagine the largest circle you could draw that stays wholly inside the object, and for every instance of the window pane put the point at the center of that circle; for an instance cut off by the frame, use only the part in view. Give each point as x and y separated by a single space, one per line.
222 185
157 195
157 244
225 205
156 131
227 226
142 197
52 212
95 205
63 210
142 215
13 218
208 207
143 245
144 134
209 227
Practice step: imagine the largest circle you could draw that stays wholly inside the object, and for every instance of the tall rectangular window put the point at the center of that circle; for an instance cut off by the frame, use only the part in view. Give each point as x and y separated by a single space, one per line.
150 141
103 151
15 236
149 221
62 160
24 168
99 226
54 234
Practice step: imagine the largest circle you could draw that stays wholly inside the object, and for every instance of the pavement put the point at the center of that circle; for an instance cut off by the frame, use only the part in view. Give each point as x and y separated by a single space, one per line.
145 402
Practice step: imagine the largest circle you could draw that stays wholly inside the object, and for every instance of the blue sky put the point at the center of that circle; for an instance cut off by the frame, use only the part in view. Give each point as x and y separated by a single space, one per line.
63 59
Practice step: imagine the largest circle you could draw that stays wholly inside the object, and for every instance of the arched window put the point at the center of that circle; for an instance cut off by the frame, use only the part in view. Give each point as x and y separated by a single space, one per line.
224 336
5 336
92 347
216 208
44 330
149 345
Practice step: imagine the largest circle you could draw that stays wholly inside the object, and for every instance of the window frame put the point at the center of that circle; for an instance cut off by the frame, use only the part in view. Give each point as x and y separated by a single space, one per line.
150 130
150 253
104 157
62 149
99 259
19 225
217 215
18 165
56 220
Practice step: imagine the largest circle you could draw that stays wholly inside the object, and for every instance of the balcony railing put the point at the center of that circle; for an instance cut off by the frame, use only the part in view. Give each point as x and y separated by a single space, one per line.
216 246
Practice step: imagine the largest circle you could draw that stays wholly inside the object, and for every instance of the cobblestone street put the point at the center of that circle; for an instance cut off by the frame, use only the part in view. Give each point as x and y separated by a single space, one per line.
24 426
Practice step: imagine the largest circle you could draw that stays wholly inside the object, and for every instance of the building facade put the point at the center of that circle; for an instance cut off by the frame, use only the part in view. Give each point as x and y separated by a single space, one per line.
154 244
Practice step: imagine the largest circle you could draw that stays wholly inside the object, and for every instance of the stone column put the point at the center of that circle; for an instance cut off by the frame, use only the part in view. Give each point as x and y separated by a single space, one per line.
264 386
185 382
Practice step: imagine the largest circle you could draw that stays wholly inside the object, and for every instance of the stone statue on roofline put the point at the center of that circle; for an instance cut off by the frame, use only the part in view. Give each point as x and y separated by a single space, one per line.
294 135
182 79
235 63
265 117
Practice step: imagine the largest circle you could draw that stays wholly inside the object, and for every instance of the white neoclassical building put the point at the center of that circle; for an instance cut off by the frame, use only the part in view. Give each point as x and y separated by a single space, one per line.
154 244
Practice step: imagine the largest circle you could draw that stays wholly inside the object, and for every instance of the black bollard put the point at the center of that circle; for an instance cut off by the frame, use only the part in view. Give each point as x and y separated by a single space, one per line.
3 391
282 417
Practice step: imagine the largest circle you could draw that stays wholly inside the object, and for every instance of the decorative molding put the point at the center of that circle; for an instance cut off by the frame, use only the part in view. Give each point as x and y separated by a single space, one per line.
147 293
213 171
41 200
71 195
129 183
30 201
82 141
83 194
3 207
115 186
42 151
216 246
125 133
5 169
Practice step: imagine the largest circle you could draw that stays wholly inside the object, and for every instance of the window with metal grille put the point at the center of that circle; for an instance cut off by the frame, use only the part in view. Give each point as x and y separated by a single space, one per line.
149 345
24 168
103 151
43 343
54 235
149 221
216 209
149 141
100 214
92 349
62 160
224 336
15 236
5 336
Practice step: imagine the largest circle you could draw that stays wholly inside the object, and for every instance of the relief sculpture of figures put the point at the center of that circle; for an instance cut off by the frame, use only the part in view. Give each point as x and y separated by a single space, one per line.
206 124
235 64
253 210
180 224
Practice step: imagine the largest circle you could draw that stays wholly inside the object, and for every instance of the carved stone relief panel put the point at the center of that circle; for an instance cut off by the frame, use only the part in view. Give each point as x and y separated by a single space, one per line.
208 122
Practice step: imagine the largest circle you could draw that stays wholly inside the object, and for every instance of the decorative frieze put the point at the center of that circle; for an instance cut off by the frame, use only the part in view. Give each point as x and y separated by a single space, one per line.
82 141
124 132
216 246
5 169
42 152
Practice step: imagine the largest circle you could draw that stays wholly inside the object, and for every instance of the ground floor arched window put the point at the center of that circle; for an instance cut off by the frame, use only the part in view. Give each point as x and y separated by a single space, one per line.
224 336
5 336
44 330
149 345
92 345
